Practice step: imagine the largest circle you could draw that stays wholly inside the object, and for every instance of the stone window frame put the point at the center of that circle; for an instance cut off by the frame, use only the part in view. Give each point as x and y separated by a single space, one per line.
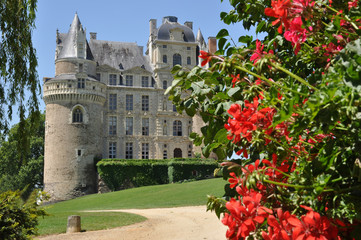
177 59
145 150
129 80
85 117
165 154
129 150
112 79
129 122
145 126
129 102
177 128
81 83
145 103
112 101
112 150
165 84
112 123
145 81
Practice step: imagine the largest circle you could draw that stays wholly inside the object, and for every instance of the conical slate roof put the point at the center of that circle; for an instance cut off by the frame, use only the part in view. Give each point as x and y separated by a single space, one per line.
200 37
71 40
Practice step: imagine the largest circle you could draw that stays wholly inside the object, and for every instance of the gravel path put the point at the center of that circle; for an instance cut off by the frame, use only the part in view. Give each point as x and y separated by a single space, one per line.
182 223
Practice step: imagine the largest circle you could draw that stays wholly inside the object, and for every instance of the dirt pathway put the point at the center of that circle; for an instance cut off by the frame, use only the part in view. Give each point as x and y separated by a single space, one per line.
183 223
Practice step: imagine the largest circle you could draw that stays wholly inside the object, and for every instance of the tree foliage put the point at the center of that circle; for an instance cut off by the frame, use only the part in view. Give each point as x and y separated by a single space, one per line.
19 81
19 218
25 169
289 104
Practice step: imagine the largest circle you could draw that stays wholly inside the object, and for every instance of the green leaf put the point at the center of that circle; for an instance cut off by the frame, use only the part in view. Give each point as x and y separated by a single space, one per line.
222 33
233 91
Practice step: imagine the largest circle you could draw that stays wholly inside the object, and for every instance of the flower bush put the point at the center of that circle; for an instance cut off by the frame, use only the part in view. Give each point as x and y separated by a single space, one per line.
289 105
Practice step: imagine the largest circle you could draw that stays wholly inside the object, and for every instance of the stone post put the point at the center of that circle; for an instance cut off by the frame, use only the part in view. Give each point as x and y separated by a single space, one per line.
74 224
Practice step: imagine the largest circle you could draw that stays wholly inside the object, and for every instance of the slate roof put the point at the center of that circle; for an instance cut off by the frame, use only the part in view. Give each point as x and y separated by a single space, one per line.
170 23
129 55
68 40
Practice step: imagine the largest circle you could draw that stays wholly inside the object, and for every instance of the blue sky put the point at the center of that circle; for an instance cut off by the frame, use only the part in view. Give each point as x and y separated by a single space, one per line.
119 20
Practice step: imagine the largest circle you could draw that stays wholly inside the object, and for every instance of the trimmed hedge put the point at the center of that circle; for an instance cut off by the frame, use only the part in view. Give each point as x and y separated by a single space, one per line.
126 173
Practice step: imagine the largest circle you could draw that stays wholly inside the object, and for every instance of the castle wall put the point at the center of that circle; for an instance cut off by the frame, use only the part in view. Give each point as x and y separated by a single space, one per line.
70 149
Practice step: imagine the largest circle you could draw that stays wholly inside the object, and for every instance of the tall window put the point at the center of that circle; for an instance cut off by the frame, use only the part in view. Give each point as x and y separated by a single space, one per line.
112 79
145 150
129 126
165 85
177 59
81 83
145 126
128 80
77 116
112 101
189 62
145 103
165 58
112 125
165 154
177 128
128 150
145 81
174 108
129 102
112 149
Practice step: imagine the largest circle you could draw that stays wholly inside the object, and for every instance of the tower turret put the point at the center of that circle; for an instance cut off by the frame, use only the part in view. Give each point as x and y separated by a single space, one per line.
74 101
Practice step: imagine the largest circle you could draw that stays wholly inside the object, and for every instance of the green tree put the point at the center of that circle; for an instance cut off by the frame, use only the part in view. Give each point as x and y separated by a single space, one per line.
25 170
19 85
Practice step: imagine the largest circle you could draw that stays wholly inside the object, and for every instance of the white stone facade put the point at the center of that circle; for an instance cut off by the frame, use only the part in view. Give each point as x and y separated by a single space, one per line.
107 101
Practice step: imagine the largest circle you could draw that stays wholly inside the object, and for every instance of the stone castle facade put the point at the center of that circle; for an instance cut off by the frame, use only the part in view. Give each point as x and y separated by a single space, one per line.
107 101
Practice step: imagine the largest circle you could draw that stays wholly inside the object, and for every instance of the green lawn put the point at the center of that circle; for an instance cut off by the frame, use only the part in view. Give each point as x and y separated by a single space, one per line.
160 196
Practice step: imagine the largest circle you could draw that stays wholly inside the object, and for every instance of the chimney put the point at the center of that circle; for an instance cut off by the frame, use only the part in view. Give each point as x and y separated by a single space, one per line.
212 45
93 35
152 26
189 24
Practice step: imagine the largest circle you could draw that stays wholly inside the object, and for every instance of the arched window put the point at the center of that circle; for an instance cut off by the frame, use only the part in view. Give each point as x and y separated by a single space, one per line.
77 115
165 58
177 128
177 59
165 85
177 153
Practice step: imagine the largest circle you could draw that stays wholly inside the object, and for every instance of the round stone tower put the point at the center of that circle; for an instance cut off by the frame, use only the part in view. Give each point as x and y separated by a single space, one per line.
74 101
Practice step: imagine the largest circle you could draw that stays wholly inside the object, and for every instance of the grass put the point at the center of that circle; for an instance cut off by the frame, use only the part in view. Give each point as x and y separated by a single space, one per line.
159 196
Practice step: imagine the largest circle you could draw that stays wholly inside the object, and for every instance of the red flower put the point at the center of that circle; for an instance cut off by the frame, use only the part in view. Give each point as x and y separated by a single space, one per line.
259 53
206 57
244 215
296 34
279 10
313 226
235 79
234 180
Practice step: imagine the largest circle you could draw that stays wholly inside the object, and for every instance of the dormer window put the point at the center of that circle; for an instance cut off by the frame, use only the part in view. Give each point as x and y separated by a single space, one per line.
81 83
112 79
121 66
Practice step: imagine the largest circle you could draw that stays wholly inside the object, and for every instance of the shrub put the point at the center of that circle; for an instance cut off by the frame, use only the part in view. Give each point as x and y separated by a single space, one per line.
124 173
18 218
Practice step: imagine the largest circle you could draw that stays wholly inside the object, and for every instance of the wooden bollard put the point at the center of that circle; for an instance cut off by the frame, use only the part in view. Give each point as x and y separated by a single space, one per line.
74 224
